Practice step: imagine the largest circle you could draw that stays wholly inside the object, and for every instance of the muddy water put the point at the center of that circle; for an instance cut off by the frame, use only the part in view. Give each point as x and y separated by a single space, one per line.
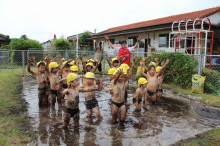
175 119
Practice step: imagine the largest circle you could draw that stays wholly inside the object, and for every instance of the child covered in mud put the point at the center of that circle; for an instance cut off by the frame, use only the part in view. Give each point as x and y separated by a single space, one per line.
54 75
72 93
118 85
141 91
42 80
91 101
160 81
114 64
152 78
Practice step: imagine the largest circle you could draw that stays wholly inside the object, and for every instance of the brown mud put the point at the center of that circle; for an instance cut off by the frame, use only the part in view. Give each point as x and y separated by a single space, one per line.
176 118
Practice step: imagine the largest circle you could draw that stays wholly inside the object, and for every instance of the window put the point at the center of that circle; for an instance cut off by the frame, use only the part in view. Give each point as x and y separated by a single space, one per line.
132 41
141 43
163 40
112 41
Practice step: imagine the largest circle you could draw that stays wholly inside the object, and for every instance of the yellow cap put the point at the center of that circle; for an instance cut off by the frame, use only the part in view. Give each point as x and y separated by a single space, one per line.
142 81
158 68
113 59
72 63
154 64
124 70
90 75
74 68
71 77
53 65
64 62
89 64
40 62
90 60
125 66
111 71
63 59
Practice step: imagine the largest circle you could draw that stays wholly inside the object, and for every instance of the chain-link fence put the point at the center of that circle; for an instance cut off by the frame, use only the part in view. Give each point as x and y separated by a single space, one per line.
208 65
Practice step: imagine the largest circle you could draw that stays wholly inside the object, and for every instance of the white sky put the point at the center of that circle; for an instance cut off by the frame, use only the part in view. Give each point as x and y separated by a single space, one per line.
41 19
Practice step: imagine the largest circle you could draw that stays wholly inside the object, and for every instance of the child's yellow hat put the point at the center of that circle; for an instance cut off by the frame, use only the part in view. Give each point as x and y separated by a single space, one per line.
72 63
41 62
90 75
89 64
111 71
158 68
114 59
125 66
53 65
154 64
63 59
71 77
74 68
142 81
64 62
90 60
123 69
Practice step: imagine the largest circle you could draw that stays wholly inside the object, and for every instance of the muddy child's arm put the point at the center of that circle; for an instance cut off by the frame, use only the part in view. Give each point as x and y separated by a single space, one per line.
156 60
142 72
144 63
109 62
58 56
108 90
77 61
97 65
106 84
117 75
131 70
138 40
47 64
107 39
35 62
29 67
162 68
64 92
83 89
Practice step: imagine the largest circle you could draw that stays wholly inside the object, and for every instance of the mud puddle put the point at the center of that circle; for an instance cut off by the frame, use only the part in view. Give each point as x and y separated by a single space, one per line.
174 119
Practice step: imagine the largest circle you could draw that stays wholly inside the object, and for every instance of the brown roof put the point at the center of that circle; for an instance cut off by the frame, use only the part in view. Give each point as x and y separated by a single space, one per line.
164 20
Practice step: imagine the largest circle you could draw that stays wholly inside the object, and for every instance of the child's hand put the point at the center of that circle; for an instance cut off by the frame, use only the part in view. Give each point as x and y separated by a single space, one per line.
106 90
126 56
139 38
106 37
106 54
156 59
141 62
143 59
57 86
33 57
70 60
48 59
162 63
168 60
29 60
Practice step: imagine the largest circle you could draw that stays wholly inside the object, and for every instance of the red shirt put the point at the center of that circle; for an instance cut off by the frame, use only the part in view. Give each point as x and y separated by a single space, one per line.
122 53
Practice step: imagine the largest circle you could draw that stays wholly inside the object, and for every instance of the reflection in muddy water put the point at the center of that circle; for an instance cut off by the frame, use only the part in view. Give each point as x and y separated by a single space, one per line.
174 119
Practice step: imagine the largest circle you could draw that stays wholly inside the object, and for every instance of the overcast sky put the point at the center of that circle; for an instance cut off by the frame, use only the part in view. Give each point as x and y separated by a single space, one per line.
41 19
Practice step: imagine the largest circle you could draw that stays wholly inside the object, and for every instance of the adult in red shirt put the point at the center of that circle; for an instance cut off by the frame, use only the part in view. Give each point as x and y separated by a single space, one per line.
124 52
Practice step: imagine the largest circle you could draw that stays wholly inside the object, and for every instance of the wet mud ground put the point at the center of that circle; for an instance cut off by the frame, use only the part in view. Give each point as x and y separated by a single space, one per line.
174 119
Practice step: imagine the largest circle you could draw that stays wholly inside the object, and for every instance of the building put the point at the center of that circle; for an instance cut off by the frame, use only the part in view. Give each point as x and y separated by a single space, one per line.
156 32
47 45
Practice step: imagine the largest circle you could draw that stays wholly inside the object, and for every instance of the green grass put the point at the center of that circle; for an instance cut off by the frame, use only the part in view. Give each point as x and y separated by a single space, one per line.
209 99
209 138
13 122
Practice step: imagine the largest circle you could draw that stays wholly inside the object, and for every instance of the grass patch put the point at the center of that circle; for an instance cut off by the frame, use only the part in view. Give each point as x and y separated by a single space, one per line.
209 99
210 138
13 122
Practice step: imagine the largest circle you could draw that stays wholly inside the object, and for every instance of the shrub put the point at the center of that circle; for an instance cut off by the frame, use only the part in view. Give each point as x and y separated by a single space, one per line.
212 81
61 44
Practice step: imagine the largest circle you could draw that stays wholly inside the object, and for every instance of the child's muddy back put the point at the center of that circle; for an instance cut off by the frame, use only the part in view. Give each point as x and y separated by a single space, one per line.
174 119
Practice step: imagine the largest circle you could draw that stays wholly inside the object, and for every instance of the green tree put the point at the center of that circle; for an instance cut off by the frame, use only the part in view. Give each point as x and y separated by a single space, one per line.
61 44
22 44
83 38
24 37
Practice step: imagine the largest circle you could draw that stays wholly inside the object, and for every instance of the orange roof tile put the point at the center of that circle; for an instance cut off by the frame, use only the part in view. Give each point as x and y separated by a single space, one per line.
186 16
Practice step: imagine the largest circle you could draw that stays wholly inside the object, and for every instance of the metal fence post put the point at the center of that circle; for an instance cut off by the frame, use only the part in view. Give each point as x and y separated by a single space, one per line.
104 59
23 61
200 65
66 55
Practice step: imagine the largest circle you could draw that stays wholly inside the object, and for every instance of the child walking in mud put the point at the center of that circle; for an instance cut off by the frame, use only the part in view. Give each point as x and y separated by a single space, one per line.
160 81
91 101
141 91
72 93
42 80
152 78
118 88
54 75
114 64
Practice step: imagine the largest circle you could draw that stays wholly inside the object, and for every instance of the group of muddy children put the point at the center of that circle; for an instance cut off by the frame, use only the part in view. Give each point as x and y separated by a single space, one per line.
59 78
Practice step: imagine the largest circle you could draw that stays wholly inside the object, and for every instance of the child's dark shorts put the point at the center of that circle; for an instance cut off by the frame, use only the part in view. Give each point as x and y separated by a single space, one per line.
139 100
72 112
90 104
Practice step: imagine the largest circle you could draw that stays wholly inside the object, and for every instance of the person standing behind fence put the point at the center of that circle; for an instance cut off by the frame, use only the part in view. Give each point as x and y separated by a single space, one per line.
124 52
98 56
